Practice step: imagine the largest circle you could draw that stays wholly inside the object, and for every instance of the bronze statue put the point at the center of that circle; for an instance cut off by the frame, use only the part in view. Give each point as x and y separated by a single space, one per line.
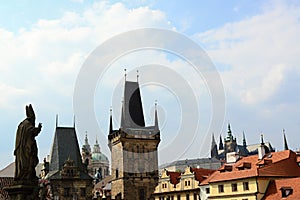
26 151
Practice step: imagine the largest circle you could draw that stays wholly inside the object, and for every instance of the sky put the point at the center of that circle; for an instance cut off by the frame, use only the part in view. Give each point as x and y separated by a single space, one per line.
253 45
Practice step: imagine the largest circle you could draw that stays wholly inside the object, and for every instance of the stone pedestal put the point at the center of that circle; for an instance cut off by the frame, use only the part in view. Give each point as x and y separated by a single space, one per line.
22 192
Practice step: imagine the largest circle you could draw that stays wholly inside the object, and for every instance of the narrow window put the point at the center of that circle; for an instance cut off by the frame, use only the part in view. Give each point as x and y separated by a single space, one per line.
207 190
142 194
187 197
66 192
221 188
117 173
82 192
234 187
195 196
246 186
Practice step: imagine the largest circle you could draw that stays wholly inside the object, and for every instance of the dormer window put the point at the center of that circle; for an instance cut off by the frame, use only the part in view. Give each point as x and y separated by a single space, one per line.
244 165
226 168
286 191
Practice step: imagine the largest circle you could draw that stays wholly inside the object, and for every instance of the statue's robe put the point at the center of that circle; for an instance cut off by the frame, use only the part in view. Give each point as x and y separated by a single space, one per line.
26 151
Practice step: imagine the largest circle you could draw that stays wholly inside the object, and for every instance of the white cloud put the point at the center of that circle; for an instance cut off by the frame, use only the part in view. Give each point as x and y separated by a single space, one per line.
258 50
39 64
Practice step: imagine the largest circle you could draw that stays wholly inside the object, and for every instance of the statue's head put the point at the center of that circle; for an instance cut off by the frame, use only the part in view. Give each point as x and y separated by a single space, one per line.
30 114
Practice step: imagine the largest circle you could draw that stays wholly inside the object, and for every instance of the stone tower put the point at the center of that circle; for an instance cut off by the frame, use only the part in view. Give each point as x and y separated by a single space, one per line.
86 152
134 167
230 142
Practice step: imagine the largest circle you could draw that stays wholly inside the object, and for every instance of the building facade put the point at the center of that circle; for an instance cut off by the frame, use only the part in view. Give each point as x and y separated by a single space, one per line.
68 175
248 178
134 167
181 185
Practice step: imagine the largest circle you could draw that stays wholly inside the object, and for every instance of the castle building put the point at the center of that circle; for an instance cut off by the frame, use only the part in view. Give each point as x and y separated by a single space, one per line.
134 167
67 174
97 163
231 146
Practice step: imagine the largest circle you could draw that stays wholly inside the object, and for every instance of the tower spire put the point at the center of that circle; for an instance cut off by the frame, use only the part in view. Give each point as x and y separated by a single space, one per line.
221 146
214 148
286 147
74 121
110 122
56 121
132 110
137 76
244 140
156 117
86 138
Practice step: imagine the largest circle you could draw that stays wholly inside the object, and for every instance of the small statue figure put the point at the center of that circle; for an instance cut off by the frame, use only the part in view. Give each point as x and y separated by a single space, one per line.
26 151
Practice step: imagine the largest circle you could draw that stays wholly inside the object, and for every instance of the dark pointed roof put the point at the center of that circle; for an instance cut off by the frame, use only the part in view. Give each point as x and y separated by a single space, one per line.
132 109
65 146
221 146
229 136
214 148
156 118
244 140
110 122
286 147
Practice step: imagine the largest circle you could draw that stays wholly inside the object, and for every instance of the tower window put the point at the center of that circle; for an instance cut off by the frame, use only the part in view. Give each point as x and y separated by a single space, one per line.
142 193
117 173
82 192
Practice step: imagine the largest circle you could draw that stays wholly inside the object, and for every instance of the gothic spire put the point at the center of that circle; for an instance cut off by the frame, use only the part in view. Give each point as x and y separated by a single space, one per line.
214 148
229 131
221 146
56 121
74 121
244 140
286 147
110 122
156 117
86 141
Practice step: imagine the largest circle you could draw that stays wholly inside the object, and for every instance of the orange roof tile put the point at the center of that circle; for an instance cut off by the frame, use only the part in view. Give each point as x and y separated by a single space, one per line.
275 188
275 164
201 173
174 177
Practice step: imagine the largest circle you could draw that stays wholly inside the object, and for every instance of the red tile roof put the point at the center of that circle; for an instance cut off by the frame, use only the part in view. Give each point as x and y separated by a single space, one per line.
174 177
275 164
276 187
201 173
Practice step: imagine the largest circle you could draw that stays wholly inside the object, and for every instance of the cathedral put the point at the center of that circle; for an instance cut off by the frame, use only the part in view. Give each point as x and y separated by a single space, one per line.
134 157
230 146
97 163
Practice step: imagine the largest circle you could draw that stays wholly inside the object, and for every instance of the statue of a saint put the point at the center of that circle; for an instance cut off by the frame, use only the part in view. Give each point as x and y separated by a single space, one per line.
26 151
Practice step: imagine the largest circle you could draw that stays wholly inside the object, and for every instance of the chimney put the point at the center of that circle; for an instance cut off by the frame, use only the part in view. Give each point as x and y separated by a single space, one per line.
232 157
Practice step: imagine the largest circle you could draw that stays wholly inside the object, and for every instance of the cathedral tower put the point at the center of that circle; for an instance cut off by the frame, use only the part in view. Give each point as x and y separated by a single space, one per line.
133 146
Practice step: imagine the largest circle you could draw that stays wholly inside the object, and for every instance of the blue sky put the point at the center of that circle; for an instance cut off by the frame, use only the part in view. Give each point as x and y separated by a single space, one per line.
253 44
